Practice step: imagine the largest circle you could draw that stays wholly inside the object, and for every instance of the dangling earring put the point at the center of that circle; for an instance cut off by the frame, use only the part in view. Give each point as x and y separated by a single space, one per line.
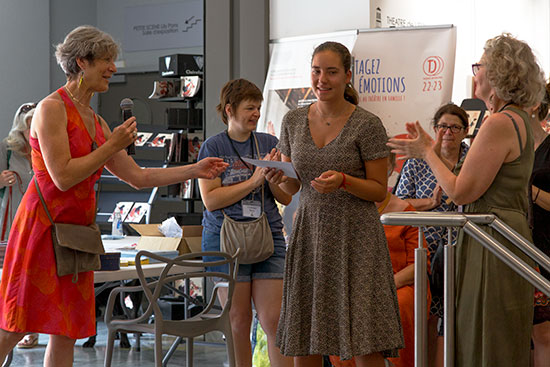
491 107
81 79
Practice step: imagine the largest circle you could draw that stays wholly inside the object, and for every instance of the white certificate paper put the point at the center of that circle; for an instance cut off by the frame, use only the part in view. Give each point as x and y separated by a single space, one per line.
286 167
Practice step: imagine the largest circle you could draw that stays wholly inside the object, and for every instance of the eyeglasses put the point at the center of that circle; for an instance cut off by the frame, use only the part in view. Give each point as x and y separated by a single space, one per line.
454 129
27 107
475 68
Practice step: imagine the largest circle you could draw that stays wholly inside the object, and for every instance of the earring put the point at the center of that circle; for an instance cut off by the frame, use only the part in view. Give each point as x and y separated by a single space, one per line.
81 79
533 116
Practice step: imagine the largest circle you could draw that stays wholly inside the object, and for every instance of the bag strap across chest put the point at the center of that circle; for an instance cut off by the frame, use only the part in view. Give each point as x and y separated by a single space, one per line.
42 200
259 157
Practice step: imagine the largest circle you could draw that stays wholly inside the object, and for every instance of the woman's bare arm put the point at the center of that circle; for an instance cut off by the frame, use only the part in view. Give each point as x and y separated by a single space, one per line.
493 146
50 127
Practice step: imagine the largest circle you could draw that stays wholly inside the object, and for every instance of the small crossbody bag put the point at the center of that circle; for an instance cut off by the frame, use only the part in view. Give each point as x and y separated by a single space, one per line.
76 247
254 238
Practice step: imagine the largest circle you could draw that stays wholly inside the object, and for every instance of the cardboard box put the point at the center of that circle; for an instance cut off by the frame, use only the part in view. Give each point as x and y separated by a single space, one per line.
152 239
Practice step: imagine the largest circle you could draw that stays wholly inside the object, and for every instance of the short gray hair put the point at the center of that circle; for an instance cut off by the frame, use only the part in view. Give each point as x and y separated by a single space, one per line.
513 71
85 42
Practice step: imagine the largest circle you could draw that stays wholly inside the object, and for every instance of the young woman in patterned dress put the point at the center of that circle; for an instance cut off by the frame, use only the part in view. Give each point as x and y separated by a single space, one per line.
339 293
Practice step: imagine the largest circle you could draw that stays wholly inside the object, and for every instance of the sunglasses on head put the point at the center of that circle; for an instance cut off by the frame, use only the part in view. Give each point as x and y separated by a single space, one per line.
27 107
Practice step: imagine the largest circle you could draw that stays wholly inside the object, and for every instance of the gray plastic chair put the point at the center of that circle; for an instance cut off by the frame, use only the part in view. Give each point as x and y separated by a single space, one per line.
202 323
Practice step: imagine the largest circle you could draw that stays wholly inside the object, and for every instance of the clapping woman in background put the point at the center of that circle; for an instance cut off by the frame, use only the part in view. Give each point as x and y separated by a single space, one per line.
418 186
494 305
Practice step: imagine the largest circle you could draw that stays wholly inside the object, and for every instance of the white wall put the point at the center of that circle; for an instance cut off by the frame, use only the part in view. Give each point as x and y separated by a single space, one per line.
29 29
65 15
237 37
24 61
476 21
289 18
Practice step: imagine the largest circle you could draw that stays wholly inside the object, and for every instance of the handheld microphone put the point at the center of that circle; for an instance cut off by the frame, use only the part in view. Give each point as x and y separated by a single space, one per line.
126 106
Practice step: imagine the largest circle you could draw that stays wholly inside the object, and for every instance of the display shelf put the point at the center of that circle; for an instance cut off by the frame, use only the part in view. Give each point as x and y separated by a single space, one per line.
187 126
189 119
164 201
173 99
195 101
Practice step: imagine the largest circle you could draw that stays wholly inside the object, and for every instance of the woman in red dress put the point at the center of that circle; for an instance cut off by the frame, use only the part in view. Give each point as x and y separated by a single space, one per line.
70 146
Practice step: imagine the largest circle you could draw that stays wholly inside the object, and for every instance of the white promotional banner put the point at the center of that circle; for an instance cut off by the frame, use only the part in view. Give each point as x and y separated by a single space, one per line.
162 26
404 75
288 83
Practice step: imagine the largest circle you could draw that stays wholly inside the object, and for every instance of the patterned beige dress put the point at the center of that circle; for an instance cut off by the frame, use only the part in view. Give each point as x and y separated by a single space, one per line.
339 294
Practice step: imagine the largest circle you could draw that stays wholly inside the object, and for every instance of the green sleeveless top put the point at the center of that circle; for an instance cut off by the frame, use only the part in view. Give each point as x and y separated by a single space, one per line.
494 305
509 190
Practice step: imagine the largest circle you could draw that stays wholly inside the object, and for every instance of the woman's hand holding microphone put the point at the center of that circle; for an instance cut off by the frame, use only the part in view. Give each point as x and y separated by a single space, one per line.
124 134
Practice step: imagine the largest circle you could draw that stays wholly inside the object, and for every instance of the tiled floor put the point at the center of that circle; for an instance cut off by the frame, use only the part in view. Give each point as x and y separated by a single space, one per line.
205 354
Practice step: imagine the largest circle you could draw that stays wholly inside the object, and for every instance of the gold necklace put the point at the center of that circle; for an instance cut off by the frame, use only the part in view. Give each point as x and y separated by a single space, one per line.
328 123
74 98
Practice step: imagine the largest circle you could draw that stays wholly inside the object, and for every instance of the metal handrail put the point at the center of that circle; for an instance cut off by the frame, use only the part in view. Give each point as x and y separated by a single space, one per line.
420 301
440 219
508 257
469 222
450 219
522 243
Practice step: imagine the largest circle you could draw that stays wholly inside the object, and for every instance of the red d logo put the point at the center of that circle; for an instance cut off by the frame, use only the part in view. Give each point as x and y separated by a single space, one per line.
433 65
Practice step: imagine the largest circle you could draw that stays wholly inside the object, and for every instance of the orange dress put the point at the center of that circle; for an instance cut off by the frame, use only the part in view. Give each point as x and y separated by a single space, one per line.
32 297
402 241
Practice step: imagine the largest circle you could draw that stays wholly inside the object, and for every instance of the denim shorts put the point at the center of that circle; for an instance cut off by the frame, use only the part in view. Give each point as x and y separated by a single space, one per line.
271 268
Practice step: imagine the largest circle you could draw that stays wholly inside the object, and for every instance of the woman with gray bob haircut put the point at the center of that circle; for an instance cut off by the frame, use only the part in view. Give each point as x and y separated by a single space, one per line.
85 42
494 305
71 145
